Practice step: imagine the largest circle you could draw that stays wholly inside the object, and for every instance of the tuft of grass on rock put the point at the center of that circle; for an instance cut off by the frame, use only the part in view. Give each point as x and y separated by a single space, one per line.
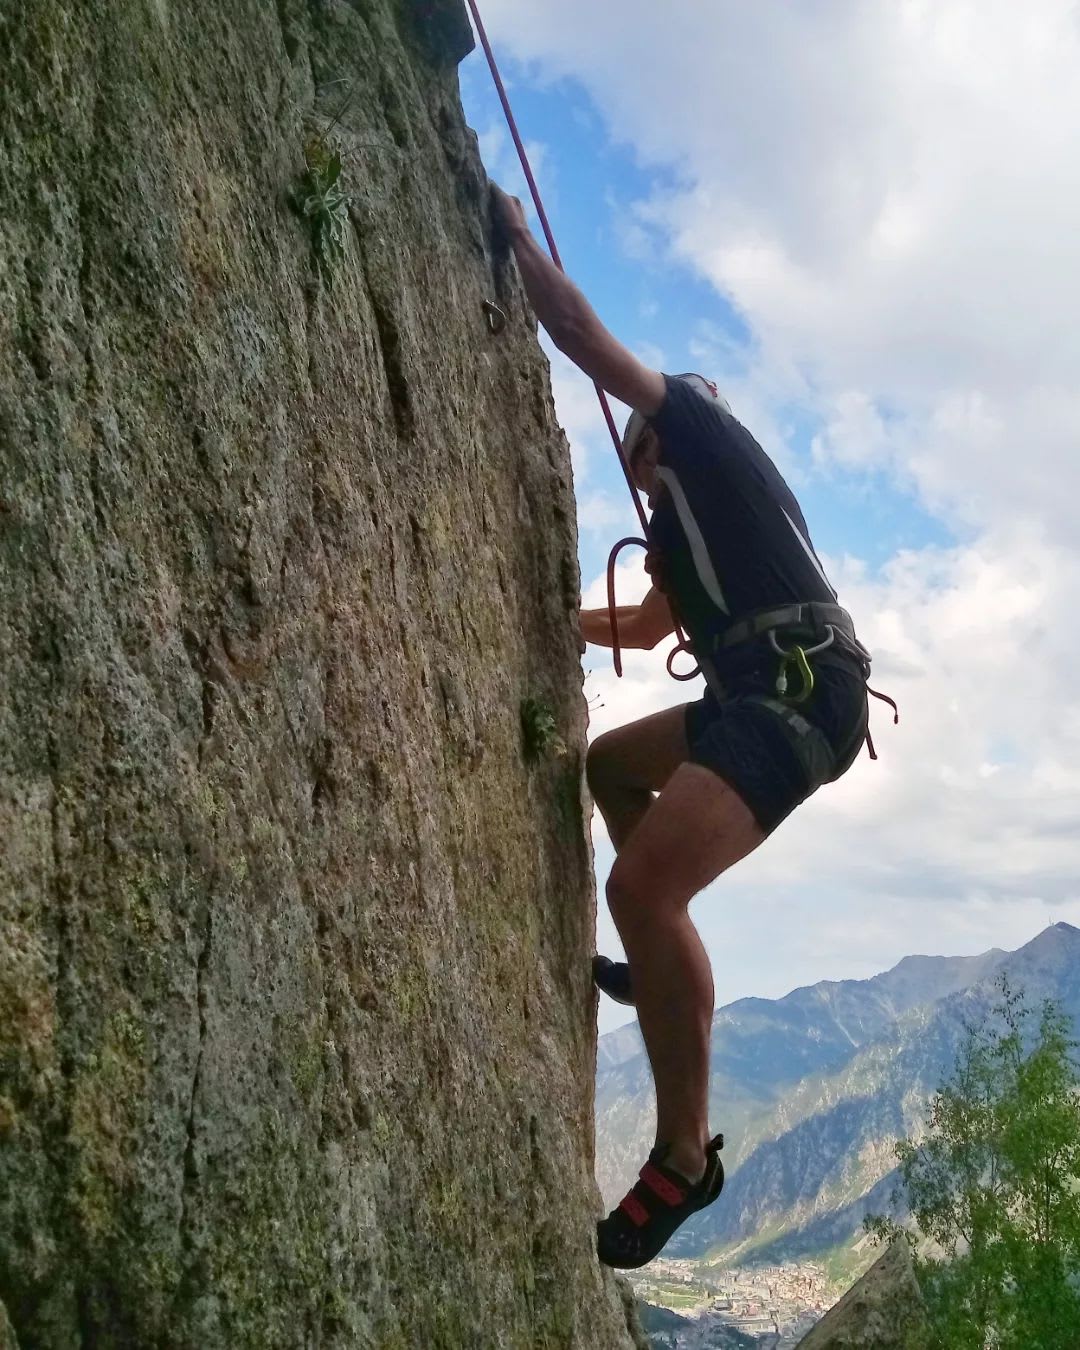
318 199
539 732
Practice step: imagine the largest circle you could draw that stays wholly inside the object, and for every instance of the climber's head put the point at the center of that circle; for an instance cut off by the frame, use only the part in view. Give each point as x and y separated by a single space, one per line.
641 444
642 458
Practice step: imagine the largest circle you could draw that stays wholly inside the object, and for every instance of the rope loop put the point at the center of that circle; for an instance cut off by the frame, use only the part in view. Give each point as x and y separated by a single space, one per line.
613 618
684 646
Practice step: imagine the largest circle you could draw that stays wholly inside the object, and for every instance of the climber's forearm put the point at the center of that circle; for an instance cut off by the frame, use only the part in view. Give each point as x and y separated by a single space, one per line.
596 625
641 626
572 322
577 331
557 302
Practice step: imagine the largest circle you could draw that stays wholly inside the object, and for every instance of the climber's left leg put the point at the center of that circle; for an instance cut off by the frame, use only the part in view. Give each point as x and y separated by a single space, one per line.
626 767
697 828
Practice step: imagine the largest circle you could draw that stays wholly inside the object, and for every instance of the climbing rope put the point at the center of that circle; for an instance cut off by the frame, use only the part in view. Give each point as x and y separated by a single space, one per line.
797 656
500 88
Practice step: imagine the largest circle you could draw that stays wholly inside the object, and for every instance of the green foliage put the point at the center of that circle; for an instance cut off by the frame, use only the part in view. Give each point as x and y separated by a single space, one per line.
319 199
994 1188
539 731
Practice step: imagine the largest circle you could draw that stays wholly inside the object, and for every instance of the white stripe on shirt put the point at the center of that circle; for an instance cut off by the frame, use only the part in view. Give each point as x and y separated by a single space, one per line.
700 554
809 553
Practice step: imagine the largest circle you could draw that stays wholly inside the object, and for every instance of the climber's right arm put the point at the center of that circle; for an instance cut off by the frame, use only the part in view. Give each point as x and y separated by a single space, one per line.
640 626
572 322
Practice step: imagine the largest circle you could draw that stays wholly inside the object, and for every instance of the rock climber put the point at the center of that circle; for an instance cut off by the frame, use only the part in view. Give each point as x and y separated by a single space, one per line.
691 790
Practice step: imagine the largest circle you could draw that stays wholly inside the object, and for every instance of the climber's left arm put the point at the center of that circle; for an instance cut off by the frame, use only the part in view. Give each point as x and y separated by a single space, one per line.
572 322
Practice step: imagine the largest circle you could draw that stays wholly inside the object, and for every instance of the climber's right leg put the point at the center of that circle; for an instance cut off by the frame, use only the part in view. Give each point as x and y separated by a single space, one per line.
628 766
698 828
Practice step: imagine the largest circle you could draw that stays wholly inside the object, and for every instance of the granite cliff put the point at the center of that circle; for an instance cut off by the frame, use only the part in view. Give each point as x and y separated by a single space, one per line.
296 1036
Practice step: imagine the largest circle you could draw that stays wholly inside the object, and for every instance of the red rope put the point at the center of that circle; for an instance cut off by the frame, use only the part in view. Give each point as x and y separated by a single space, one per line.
553 249
616 650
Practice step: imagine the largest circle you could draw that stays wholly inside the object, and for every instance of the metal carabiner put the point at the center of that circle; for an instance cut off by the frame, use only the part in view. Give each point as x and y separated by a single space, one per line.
798 657
496 319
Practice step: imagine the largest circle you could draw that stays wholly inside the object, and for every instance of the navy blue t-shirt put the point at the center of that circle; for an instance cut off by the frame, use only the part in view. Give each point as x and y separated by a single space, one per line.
731 537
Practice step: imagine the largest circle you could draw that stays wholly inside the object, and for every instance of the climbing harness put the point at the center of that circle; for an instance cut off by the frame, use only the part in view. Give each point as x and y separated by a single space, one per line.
814 629
797 656
829 626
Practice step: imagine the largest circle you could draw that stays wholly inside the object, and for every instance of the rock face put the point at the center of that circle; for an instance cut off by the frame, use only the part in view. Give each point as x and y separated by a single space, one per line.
296 1023
883 1311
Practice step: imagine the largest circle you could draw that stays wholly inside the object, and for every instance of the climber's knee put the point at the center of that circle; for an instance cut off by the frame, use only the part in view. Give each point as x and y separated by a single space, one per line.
639 757
598 763
628 897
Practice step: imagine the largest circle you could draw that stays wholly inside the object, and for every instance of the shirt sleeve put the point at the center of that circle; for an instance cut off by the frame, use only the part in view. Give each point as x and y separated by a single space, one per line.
692 429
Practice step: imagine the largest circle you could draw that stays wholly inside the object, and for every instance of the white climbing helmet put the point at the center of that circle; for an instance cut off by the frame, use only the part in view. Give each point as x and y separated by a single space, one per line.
637 424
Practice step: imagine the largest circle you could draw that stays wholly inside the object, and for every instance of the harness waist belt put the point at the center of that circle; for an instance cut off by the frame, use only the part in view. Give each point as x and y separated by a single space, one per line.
813 615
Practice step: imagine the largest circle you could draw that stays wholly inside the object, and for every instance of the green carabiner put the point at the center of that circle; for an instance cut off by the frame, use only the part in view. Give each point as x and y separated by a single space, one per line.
795 656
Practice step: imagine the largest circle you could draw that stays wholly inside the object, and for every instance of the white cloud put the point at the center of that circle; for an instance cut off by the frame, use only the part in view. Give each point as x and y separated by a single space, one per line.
575 404
602 512
889 195
964 833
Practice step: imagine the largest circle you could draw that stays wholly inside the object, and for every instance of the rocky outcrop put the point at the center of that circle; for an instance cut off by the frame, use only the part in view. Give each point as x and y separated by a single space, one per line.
7 1335
295 1011
882 1311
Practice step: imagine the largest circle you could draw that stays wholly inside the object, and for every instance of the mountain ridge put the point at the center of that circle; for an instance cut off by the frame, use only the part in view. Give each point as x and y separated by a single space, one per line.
811 1135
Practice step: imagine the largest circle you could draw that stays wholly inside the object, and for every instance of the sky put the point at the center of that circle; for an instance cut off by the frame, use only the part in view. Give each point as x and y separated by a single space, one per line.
863 221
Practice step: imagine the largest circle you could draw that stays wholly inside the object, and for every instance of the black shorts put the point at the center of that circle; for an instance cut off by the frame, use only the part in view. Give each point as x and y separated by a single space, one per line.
753 749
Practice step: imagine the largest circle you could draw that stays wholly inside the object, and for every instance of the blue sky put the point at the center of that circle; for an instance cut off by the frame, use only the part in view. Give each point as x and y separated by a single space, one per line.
864 223
588 181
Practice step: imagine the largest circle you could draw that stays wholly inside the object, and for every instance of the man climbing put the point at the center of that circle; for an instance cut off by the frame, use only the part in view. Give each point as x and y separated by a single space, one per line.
689 791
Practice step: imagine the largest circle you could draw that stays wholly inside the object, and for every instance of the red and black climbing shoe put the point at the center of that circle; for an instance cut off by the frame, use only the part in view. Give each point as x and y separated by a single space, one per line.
613 978
660 1202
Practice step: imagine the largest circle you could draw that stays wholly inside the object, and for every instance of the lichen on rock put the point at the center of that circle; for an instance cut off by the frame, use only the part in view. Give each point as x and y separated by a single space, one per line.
296 1022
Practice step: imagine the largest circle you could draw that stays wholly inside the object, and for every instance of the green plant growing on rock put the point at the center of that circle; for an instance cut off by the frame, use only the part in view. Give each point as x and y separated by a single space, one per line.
319 199
539 731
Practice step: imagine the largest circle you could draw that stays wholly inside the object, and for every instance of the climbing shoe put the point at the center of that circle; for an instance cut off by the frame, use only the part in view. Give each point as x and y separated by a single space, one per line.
613 978
660 1202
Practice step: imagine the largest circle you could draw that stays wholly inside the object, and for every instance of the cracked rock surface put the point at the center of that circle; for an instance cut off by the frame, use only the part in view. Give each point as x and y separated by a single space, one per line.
296 1022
